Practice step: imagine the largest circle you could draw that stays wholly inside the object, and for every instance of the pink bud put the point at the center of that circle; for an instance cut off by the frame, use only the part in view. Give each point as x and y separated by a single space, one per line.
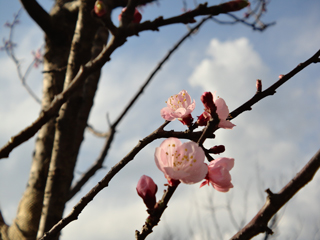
207 100
147 189
258 85
280 76
99 8
217 149
203 119
136 16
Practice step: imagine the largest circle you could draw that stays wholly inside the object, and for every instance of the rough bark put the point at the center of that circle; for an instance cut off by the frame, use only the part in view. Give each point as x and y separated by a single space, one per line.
65 151
25 225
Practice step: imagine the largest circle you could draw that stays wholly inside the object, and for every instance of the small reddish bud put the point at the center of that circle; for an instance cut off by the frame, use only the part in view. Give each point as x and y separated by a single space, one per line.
99 8
147 189
217 149
280 76
207 100
258 85
203 119
136 16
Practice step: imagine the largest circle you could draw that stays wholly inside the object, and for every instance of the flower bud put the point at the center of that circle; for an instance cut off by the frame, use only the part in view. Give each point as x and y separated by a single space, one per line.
99 8
207 100
136 16
203 119
217 149
258 85
147 189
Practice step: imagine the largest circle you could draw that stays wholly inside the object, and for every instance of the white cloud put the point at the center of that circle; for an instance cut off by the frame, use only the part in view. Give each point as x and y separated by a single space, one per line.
230 68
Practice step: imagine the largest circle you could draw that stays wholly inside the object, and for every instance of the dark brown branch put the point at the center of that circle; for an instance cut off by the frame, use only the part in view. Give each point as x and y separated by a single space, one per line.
272 89
202 9
40 16
275 201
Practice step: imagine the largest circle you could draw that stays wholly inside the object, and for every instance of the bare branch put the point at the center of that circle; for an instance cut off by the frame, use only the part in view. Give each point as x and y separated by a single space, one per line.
275 201
9 46
272 89
40 16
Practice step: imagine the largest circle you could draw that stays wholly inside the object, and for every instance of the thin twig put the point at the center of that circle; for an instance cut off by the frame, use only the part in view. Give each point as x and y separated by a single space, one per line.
9 48
272 89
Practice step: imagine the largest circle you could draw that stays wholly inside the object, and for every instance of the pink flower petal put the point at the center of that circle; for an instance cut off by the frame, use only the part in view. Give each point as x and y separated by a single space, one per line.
178 106
184 162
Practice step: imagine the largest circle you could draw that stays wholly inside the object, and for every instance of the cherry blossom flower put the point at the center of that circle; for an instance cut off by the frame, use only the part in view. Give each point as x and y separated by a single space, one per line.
179 106
218 174
211 104
147 189
223 112
181 161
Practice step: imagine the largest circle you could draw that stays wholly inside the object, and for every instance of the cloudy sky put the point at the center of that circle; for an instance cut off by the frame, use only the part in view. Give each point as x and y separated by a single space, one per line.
270 143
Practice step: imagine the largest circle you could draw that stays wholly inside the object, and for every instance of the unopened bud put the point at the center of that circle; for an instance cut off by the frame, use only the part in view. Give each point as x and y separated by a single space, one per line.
136 16
207 100
203 119
147 189
217 149
280 76
258 85
99 8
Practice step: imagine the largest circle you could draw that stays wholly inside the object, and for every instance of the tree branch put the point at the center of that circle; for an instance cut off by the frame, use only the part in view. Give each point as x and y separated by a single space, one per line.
275 201
272 89
40 16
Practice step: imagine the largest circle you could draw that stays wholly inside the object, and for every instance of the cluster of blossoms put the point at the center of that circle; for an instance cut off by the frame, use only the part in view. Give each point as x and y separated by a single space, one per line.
185 162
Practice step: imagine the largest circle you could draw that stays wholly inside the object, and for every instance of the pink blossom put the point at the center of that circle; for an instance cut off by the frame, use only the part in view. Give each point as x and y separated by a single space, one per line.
218 174
184 162
178 106
214 104
147 189
223 112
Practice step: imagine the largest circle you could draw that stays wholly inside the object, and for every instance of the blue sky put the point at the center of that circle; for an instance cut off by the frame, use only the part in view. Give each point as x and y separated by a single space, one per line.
270 143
